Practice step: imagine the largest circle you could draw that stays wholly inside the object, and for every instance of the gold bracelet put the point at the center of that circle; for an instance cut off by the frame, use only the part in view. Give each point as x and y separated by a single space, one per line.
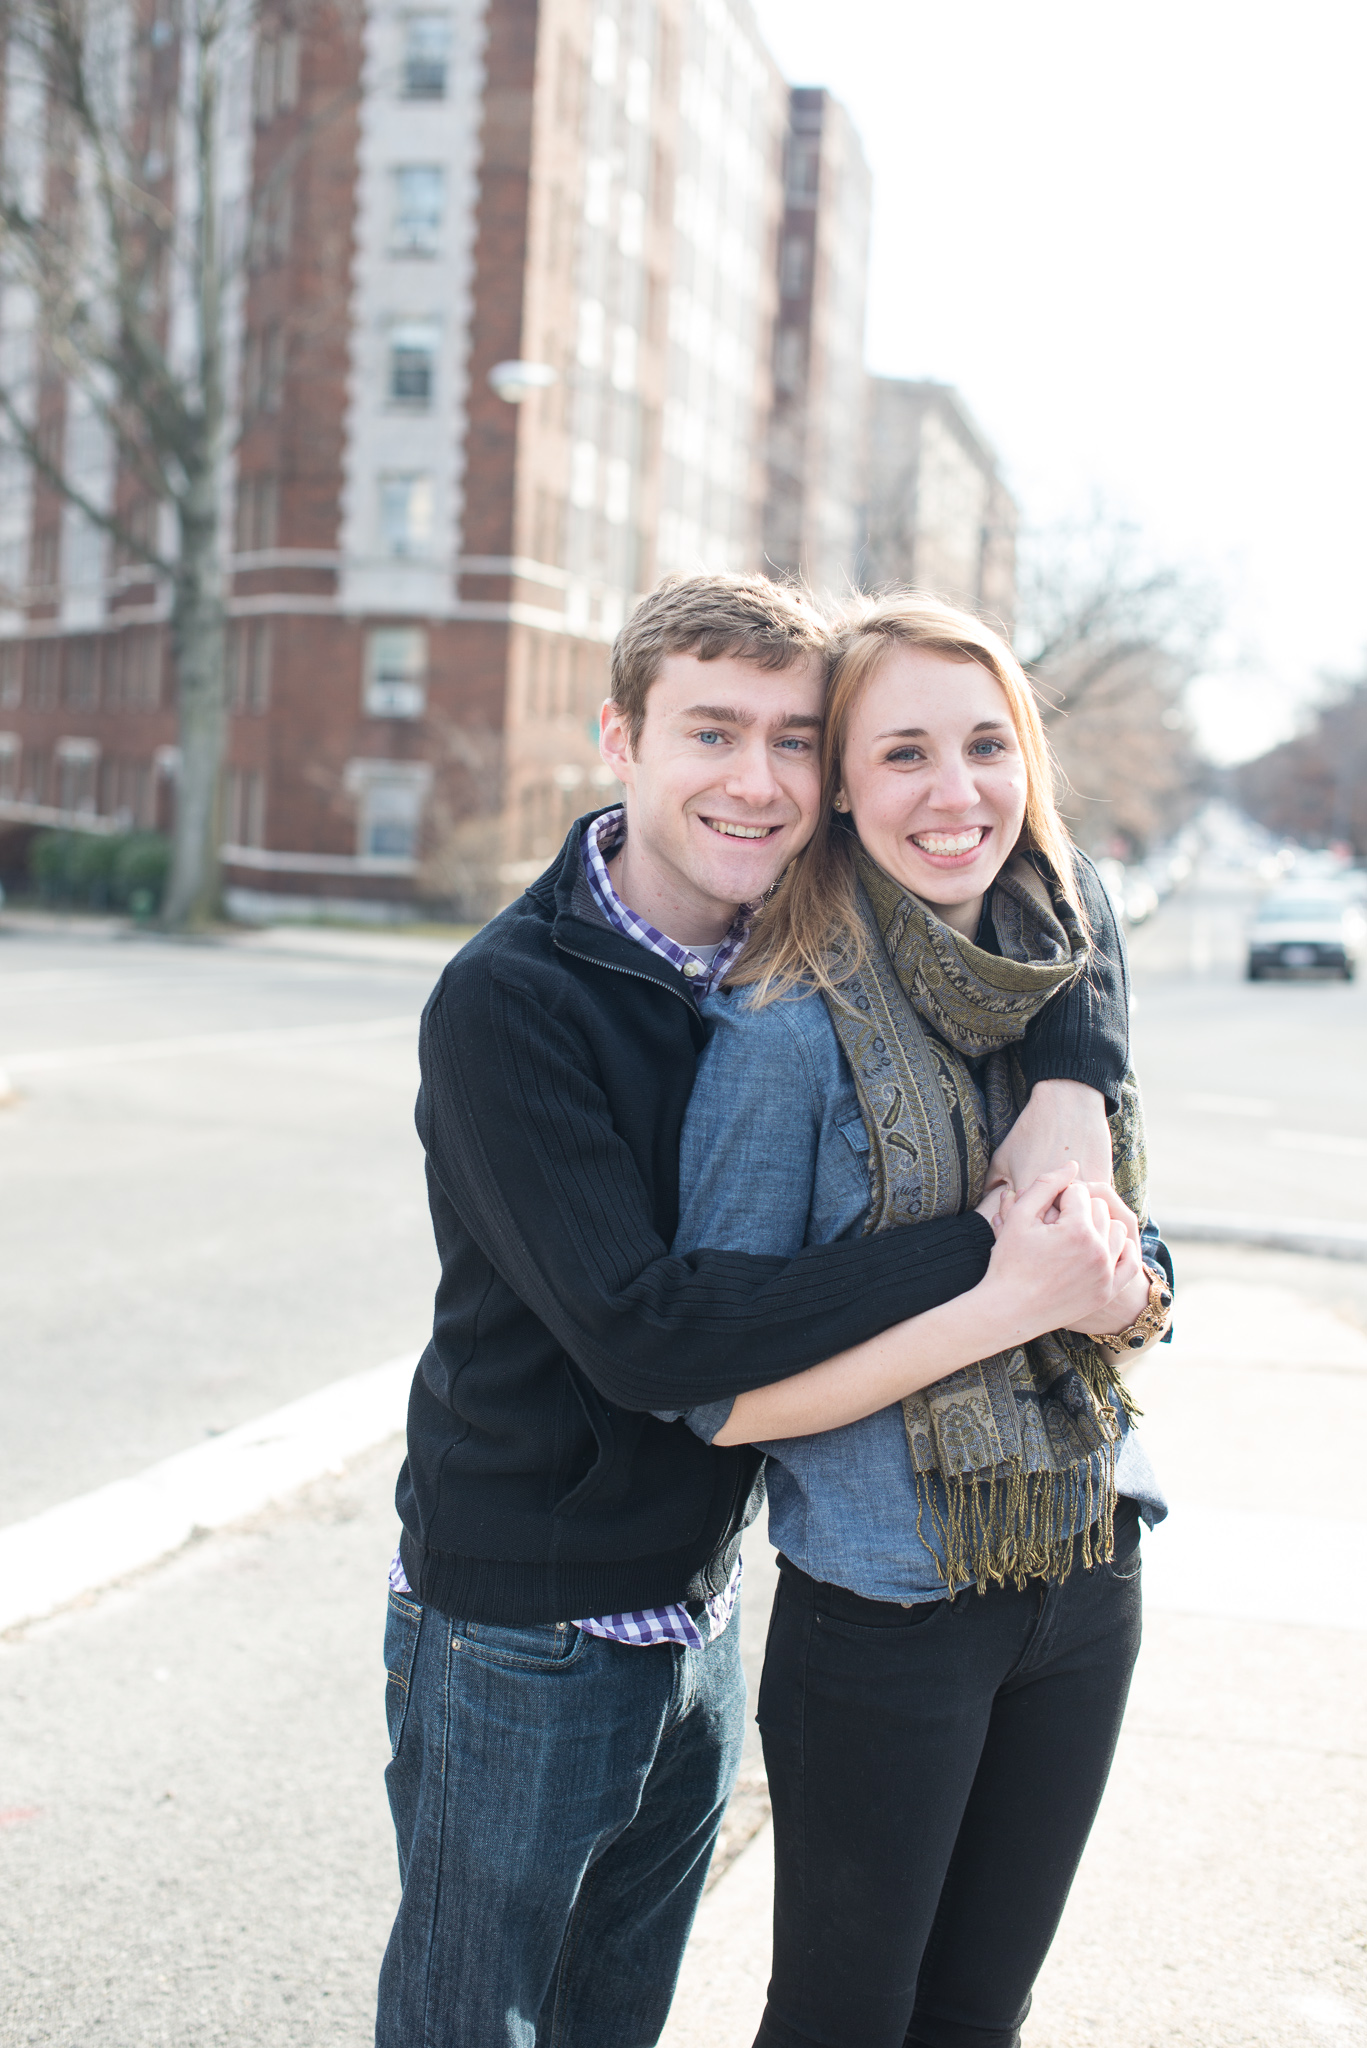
1150 1323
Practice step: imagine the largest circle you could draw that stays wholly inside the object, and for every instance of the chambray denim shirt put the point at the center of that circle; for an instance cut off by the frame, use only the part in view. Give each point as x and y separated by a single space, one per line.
774 1157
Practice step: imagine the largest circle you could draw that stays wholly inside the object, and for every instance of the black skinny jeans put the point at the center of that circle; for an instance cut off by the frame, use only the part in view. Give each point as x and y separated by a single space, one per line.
935 1771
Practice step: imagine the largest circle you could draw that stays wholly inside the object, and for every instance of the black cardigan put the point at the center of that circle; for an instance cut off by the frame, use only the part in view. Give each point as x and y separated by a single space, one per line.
557 1058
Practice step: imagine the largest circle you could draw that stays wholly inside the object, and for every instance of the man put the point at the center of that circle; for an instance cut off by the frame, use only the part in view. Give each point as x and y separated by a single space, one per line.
565 1696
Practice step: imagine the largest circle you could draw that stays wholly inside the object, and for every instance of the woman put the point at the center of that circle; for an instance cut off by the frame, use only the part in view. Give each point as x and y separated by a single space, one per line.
958 1607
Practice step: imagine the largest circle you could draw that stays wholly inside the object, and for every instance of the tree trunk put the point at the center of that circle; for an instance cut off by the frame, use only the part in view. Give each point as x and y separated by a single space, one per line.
198 615
198 634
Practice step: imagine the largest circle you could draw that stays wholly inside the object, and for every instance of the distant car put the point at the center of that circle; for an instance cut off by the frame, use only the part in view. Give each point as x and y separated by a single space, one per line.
1295 932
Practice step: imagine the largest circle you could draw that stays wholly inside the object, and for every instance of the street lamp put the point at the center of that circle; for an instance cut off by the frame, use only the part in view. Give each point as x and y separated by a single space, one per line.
515 381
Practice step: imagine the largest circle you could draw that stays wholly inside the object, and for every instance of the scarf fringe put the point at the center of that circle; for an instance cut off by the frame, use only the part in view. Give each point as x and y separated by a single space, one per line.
1011 1525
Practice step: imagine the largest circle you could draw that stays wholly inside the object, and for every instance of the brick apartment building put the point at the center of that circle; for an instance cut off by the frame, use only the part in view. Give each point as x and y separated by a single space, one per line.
817 436
938 514
425 577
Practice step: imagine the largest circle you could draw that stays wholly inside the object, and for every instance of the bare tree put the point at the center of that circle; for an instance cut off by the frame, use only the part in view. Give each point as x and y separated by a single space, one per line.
1314 787
1112 638
115 230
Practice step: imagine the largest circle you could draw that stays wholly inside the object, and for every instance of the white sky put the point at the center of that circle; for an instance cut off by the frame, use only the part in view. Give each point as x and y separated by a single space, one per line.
1133 237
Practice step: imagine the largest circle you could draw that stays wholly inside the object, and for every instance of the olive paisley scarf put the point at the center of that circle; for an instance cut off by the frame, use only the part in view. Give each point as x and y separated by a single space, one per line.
1024 1443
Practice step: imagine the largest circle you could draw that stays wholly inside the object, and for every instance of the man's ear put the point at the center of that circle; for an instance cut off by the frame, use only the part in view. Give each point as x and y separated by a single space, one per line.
614 744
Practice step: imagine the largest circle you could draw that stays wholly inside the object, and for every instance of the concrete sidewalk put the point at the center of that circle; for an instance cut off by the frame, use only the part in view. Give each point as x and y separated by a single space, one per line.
194 1845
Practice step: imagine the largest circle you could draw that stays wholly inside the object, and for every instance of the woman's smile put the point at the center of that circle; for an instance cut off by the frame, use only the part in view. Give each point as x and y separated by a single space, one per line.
950 849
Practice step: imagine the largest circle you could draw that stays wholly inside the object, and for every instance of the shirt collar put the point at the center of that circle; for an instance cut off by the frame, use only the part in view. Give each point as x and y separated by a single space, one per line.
603 838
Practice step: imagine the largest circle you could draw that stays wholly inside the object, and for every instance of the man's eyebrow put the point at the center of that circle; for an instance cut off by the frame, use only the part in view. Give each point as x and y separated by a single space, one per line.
726 714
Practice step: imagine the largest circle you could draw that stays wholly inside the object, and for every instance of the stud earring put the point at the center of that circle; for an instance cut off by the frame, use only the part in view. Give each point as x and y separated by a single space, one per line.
840 803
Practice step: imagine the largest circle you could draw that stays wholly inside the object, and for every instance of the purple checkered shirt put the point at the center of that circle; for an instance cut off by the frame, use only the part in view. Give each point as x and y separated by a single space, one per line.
601 842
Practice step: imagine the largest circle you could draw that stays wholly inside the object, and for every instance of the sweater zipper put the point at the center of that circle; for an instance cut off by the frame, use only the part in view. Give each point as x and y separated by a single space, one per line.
636 975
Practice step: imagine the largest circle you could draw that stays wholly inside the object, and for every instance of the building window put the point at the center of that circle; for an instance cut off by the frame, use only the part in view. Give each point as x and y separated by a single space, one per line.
258 510
9 766
406 514
249 671
804 166
591 333
419 200
413 365
788 359
616 491
396 672
277 74
793 276
263 371
624 358
77 763
583 474
82 675
11 677
45 672
133 670
244 807
426 56
390 797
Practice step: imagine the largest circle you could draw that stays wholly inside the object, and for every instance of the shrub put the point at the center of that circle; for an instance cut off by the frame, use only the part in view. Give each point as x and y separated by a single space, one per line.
101 871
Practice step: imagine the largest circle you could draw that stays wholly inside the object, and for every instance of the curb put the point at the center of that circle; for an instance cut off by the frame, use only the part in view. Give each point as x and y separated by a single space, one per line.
57 1556
1320 1240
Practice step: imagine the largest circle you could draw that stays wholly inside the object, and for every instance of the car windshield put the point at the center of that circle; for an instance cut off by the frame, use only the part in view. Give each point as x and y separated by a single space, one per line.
1300 910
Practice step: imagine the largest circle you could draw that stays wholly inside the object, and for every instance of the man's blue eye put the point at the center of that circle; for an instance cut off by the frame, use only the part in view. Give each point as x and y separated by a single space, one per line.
708 737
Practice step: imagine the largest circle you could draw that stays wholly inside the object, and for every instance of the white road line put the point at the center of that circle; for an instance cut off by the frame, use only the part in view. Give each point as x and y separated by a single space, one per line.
1320 1237
1229 1105
66 1551
1331 1142
283 1037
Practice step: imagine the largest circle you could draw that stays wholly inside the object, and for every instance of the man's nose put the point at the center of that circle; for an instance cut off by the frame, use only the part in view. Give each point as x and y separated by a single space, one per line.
751 776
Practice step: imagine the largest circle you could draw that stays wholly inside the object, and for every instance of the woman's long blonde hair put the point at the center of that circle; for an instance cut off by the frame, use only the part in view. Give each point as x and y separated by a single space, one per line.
812 917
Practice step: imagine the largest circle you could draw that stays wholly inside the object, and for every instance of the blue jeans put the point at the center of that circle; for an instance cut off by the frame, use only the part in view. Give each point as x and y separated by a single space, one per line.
556 1799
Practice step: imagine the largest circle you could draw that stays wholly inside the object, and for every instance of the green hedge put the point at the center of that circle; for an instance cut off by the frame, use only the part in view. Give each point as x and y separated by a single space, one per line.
101 871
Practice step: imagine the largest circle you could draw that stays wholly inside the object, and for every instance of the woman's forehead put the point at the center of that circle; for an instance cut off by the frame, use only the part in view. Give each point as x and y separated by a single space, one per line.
925 689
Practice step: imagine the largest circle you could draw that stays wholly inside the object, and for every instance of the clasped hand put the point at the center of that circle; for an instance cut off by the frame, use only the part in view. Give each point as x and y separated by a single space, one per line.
1067 1255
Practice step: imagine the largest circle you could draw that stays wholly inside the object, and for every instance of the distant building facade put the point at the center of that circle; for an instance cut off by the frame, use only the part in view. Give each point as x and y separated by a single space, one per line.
425 578
939 516
817 436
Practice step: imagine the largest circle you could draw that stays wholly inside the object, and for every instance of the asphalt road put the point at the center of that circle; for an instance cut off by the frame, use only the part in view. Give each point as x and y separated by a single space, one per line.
194 1846
1253 1090
211 1192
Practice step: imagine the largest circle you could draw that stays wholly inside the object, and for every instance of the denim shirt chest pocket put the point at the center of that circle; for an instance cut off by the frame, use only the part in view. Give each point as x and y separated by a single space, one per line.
840 1190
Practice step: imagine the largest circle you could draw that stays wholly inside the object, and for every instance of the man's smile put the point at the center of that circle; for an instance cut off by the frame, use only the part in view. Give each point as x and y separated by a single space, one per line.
730 830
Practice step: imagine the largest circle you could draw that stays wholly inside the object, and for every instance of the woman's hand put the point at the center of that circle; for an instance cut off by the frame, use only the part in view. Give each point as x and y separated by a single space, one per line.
1131 1294
1058 1275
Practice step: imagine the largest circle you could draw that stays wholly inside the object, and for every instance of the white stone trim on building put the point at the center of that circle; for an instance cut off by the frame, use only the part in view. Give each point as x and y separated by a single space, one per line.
383 440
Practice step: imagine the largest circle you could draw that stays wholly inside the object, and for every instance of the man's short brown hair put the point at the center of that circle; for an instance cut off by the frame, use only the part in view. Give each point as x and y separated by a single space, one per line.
772 625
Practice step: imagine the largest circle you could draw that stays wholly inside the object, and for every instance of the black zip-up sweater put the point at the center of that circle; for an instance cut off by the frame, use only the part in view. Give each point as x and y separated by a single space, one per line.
557 1058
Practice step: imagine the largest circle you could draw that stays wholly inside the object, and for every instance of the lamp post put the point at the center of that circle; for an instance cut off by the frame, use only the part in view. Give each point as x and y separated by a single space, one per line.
514 381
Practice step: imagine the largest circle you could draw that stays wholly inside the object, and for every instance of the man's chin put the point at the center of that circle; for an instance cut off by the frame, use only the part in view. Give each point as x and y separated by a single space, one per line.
739 870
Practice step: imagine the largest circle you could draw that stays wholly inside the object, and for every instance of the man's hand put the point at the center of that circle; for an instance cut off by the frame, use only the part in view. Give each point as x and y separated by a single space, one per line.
1061 1121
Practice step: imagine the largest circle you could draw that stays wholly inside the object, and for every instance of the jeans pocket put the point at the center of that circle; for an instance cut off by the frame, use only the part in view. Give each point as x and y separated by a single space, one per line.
520 1646
403 1622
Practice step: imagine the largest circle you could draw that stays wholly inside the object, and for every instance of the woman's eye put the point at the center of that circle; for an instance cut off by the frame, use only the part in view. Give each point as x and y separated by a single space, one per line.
984 749
906 754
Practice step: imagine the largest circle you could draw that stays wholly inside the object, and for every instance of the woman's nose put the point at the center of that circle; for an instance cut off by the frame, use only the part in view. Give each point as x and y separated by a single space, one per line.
953 788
